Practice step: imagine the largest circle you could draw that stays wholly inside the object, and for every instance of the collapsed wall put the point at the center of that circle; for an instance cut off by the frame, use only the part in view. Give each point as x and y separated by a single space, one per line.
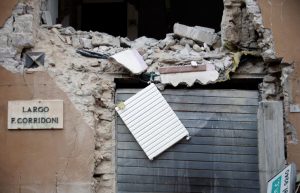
242 47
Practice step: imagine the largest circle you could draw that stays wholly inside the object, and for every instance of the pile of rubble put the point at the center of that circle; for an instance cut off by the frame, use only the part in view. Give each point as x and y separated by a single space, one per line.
199 45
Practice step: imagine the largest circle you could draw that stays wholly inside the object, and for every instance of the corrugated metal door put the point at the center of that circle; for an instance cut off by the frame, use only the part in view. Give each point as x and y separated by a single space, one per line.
220 157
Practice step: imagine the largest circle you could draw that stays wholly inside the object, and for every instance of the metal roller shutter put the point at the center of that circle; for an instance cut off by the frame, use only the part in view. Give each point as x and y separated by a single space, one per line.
220 157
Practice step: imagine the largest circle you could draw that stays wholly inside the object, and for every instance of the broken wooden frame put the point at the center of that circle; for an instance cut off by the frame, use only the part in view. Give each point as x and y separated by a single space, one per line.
271 157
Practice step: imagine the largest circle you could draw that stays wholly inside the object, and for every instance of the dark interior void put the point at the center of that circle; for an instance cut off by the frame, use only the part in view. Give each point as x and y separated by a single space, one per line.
156 17
135 18
242 84
106 17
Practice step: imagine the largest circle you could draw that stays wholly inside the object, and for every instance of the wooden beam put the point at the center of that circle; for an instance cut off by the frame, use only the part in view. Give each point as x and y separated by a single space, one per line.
270 141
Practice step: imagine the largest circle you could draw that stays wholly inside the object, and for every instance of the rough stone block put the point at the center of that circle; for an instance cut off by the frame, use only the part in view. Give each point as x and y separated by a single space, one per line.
7 52
86 43
104 168
3 39
10 64
197 33
105 39
67 31
20 9
22 40
23 23
76 42
8 26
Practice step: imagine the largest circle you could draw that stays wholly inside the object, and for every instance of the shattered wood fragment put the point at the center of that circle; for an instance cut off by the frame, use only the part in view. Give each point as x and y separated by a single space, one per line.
179 69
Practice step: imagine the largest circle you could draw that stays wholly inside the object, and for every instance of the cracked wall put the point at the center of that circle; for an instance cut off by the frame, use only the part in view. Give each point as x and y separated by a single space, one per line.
283 18
43 160
87 87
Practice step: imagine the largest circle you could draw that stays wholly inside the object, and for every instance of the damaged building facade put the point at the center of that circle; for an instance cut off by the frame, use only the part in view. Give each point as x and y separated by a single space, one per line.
229 89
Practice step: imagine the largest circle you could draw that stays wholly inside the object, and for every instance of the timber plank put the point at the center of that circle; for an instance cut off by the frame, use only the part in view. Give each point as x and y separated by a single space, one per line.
219 166
187 173
239 183
188 148
201 100
213 157
197 92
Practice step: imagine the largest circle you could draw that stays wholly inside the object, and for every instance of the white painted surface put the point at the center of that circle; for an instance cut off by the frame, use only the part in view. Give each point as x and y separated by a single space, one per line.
35 114
189 78
151 121
131 60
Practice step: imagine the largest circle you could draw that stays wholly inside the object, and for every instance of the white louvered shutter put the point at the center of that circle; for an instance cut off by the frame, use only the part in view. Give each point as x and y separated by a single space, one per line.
151 121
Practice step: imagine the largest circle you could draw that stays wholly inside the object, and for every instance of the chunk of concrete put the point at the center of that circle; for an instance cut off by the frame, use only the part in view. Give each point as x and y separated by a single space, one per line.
23 24
105 39
143 42
197 33
86 43
22 40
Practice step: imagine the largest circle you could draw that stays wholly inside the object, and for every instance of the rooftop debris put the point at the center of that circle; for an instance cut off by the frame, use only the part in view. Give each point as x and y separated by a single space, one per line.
131 60
189 78
151 121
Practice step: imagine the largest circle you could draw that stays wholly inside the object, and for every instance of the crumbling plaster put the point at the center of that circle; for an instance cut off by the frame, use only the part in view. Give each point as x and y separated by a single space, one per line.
89 82
283 18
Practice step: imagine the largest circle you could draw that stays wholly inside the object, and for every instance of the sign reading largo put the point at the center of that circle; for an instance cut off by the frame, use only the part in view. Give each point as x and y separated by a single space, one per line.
35 114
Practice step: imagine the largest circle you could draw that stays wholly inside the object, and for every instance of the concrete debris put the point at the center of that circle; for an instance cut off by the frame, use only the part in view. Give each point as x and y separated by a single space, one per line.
143 42
197 48
22 40
99 39
55 31
46 18
23 24
131 60
125 42
67 31
86 43
185 41
197 33
190 78
167 42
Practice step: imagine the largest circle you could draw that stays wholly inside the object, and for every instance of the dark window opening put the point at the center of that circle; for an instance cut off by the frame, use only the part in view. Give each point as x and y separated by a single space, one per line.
136 18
